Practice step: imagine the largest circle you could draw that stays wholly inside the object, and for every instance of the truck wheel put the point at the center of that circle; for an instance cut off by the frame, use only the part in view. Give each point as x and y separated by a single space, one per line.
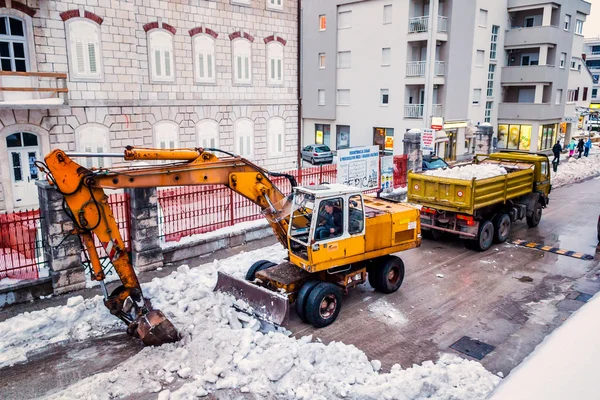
485 236
323 304
303 297
388 277
426 234
502 225
536 217
258 266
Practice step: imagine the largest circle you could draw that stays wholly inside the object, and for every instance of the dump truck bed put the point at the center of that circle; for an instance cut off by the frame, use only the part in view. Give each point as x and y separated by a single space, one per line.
467 196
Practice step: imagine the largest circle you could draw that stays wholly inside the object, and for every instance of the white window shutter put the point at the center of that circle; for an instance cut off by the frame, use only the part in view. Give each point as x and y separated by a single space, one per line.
158 69
272 68
247 68
239 67
79 57
209 65
92 54
279 70
201 65
167 63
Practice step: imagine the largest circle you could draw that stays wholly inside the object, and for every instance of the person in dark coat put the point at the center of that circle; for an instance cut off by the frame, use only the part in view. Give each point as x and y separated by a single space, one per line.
580 146
331 222
556 149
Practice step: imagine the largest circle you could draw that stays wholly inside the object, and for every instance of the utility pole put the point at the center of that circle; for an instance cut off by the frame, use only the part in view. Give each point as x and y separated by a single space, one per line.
430 63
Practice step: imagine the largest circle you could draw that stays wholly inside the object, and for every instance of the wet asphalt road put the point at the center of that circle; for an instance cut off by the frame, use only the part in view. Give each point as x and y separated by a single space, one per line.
510 297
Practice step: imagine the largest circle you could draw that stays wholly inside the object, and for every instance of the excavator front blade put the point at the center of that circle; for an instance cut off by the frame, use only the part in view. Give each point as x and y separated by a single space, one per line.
154 329
266 305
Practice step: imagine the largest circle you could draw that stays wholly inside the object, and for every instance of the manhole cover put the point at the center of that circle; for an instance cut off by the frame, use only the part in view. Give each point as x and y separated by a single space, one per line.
583 297
472 348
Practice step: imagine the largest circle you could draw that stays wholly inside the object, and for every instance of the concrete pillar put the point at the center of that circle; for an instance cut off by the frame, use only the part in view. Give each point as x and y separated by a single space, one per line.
483 138
543 58
539 93
62 250
146 253
547 16
412 147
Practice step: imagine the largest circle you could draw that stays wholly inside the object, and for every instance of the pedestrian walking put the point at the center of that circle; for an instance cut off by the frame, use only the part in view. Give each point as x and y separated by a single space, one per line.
588 147
580 146
571 147
556 149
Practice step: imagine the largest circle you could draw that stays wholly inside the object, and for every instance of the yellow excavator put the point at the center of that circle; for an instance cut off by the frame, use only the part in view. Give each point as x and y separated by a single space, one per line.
336 237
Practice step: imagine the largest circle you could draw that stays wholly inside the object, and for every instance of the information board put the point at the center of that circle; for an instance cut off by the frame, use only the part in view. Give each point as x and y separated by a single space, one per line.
359 167
387 174
427 141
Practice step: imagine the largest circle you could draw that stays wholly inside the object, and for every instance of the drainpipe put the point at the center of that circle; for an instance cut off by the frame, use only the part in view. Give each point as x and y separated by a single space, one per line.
299 145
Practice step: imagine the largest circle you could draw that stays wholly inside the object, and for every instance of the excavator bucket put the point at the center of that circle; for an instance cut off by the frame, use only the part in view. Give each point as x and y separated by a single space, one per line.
154 329
265 304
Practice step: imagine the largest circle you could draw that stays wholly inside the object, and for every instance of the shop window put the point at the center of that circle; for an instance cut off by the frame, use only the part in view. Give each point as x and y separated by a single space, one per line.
384 138
322 134
514 137
342 137
547 136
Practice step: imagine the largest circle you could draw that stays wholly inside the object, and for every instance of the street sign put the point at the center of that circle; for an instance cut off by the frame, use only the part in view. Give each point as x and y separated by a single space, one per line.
359 167
427 141
437 123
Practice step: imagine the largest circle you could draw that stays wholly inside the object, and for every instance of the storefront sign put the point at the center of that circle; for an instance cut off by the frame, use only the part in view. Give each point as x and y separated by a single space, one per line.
569 119
427 141
359 166
437 123
389 143
595 105
387 174
455 125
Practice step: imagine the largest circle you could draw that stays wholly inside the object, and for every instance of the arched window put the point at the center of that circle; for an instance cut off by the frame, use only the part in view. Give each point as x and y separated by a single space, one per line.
13 45
208 133
85 60
160 47
274 63
243 132
166 135
92 138
276 136
204 50
242 61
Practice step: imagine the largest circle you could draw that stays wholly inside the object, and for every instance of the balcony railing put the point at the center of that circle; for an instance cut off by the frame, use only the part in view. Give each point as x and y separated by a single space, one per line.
24 89
415 68
416 110
418 24
436 110
440 68
442 24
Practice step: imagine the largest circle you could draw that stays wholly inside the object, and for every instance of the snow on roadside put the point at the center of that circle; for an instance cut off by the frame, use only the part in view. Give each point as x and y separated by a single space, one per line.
222 232
576 169
387 313
217 353
468 172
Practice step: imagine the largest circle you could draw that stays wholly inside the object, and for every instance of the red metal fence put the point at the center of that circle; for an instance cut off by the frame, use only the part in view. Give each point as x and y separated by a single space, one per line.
21 245
400 171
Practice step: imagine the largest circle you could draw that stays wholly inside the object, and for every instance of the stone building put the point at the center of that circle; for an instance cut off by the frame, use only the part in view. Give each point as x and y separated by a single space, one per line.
183 73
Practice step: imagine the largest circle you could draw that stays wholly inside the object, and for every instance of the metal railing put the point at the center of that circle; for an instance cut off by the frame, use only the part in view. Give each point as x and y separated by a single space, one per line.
436 110
442 24
418 24
413 111
440 68
21 245
415 68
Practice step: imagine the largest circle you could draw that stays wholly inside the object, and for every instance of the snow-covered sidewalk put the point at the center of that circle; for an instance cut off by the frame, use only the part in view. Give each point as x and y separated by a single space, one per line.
573 169
217 353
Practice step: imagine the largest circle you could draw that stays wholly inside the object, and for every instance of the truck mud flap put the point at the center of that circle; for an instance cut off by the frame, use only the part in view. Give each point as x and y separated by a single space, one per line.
266 305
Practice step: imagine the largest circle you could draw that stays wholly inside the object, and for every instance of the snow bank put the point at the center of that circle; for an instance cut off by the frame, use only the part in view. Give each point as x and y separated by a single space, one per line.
563 366
468 172
576 169
216 352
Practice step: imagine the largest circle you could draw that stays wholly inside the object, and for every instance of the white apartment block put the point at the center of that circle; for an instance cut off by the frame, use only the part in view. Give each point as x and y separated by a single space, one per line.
592 59
98 75
373 69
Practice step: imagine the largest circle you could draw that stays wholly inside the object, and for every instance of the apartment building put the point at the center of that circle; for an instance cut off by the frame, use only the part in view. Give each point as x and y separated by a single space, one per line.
98 75
592 60
373 69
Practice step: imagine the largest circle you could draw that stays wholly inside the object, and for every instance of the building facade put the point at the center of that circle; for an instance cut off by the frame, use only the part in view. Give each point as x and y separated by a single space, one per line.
592 60
367 78
112 73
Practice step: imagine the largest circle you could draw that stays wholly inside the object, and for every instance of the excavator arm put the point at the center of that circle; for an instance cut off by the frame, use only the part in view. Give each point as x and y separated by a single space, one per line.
87 205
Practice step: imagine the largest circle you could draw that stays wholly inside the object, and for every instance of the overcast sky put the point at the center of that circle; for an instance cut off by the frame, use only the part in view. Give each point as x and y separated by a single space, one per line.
591 28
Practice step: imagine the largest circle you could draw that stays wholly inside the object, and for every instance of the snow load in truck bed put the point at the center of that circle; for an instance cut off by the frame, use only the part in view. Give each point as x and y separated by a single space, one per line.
468 172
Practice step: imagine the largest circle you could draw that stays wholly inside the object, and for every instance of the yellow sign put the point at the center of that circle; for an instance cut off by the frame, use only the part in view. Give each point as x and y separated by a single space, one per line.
389 143
454 125
595 105
319 137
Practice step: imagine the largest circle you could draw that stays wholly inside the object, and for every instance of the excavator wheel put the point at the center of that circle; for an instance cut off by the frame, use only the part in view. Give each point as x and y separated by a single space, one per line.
323 304
303 297
258 266
387 274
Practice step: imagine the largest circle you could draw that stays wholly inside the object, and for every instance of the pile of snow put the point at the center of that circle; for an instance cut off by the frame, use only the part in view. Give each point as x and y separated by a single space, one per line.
576 169
469 171
218 233
387 313
219 352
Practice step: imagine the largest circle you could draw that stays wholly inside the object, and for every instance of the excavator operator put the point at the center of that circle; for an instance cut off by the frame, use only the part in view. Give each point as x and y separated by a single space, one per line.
331 222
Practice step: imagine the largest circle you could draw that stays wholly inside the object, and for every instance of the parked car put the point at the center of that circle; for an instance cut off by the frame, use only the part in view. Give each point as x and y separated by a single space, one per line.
317 154
434 162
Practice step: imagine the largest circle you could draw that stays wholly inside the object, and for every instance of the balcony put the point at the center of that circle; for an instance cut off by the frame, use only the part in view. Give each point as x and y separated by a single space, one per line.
529 111
421 24
415 111
417 68
41 90
529 74
535 35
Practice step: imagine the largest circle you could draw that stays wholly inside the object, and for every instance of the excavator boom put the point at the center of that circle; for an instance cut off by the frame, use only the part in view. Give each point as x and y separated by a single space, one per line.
87 205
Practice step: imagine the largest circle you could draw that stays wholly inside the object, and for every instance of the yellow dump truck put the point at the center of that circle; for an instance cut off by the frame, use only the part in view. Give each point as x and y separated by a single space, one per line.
481 211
